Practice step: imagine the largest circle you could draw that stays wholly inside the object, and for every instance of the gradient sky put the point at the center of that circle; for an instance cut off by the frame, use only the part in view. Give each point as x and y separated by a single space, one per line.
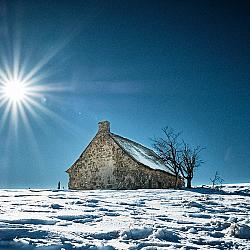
142 65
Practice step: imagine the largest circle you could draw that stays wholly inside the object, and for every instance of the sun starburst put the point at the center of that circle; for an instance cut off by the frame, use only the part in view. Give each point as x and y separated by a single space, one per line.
15 90
21 93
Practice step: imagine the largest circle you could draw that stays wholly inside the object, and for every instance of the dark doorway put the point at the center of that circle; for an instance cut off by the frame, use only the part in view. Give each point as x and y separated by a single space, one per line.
150 183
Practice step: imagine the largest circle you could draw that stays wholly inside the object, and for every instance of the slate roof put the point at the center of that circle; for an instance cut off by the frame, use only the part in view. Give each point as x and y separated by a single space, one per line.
141 153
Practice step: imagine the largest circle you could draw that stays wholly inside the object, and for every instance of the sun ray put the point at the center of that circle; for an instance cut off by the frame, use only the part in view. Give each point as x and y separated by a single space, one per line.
29 132
15 96
3 77
2 102
53 116
5 115
23 88
20 91
46 59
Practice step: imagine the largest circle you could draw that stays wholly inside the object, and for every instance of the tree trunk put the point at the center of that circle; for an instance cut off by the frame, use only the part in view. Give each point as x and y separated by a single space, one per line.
189 180
176 181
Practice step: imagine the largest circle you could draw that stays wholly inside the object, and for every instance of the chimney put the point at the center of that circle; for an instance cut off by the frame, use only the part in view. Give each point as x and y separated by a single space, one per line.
104 127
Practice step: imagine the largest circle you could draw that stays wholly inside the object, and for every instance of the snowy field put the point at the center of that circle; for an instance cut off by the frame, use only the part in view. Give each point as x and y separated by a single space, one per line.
142 219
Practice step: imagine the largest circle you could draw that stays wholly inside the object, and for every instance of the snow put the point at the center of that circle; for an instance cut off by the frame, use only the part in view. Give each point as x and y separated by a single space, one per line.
240 230
141 154
166 234
199 218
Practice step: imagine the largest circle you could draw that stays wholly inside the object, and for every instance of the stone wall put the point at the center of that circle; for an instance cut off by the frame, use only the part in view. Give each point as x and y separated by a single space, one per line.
104 165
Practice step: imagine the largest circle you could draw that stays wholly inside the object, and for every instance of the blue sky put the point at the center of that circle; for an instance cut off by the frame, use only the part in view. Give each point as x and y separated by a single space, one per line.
142 65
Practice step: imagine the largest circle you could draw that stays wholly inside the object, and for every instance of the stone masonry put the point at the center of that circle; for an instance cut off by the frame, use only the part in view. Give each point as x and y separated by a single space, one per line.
105 165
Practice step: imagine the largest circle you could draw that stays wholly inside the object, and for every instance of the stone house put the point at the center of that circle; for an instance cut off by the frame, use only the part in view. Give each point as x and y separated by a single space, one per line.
114 162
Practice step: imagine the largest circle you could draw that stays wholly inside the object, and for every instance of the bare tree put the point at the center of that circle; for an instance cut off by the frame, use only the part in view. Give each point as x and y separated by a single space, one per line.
216 179
190 161
169 150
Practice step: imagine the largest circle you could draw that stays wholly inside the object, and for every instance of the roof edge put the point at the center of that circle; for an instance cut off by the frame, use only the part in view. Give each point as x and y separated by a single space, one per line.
67 171
112 136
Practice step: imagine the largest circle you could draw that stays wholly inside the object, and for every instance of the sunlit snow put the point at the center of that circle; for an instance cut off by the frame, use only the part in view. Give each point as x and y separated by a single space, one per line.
201 218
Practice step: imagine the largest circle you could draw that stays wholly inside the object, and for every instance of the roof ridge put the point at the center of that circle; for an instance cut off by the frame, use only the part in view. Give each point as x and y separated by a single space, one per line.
134 142
138 151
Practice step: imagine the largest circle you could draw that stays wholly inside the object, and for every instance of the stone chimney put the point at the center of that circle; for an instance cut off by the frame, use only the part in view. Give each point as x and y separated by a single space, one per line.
104 127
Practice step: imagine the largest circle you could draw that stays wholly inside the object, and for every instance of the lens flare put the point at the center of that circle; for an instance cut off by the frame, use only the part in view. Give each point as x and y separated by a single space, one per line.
15 90
25 83
21 93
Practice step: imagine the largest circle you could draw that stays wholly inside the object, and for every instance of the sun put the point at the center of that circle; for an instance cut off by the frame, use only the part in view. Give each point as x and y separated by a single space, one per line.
15 90
17 96
20 94
24 87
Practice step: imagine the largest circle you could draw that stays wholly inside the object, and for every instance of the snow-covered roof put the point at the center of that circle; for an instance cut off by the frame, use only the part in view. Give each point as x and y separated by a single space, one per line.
141 153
